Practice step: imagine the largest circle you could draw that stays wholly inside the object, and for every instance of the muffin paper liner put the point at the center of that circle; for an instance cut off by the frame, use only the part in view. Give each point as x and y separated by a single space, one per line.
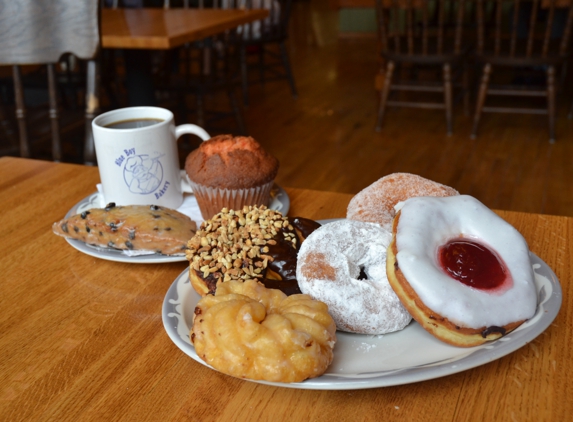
212 200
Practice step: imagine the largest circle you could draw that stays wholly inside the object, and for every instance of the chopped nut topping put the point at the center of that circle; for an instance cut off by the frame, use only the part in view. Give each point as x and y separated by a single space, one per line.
234 243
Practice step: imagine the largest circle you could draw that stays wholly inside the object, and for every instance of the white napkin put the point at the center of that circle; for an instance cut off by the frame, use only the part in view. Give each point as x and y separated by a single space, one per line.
190 208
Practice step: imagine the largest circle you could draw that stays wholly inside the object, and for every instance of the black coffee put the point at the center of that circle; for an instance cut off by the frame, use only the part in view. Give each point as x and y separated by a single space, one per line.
133 123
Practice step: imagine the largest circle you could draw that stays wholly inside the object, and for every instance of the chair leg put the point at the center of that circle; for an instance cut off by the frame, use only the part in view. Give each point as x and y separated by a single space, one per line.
54 115
110 78
187 54
6 127
21 111
205 54
286 63
229 72
200 104
244 73
384 95
262 65
448 97
551 102
237 110
466 88
563 77
92 110
481 98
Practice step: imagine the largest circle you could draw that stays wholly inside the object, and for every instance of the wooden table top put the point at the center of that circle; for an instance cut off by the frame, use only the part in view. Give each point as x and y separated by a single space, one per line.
162 29
82 338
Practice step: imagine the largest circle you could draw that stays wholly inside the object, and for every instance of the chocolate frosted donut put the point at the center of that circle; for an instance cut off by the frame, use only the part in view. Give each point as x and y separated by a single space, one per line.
254 242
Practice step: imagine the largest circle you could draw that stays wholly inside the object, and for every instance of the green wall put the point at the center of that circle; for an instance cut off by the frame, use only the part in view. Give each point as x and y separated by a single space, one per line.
357 20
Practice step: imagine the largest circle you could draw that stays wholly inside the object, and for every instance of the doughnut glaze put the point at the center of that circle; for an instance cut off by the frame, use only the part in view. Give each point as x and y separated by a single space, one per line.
424 225
248 331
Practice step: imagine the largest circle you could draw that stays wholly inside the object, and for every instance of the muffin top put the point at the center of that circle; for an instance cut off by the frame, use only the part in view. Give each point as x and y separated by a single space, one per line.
230 162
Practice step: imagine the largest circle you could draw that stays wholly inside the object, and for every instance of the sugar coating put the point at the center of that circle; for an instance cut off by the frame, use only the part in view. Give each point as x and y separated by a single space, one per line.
328 267
425 224
376 202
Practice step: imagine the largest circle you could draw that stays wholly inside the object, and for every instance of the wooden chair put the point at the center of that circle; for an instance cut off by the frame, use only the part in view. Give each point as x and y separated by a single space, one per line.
7 132
422 33
209 66
39 33
521 35
263 38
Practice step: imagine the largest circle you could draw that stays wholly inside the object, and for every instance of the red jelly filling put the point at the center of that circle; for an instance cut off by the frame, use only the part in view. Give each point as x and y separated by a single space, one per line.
473 264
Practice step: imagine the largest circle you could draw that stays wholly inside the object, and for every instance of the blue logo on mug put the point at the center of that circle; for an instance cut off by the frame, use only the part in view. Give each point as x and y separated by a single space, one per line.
143 174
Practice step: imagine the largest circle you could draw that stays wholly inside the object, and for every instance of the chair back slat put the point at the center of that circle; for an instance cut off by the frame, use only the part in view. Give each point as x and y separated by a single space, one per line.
459 26
425 29
421 27
381 26
532 24
409 29
515 25
548 28
524 28
441 7
480 26
498 19
566 34
395 18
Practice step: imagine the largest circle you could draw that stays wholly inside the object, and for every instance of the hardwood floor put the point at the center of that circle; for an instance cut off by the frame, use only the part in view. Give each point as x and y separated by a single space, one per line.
325 138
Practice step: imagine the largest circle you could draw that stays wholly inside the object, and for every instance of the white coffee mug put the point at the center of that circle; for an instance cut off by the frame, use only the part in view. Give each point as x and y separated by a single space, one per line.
136 150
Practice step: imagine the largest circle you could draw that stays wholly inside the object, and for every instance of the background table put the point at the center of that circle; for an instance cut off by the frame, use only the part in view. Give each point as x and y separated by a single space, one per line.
82 338
163 29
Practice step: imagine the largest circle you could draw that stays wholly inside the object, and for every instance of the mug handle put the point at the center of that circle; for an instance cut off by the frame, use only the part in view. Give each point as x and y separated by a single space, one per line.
190 129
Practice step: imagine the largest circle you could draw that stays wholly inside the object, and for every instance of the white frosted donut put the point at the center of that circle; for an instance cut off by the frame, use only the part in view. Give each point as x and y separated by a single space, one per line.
458 313
328 268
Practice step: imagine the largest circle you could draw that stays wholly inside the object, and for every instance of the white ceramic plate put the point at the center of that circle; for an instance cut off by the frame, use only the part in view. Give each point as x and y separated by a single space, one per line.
280 201
407 356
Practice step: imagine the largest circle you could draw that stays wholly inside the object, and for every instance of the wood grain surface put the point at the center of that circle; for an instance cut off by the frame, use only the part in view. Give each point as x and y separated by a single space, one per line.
82 338
164 29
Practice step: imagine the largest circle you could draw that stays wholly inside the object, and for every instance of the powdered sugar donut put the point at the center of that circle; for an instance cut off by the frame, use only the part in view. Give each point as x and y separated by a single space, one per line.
376 202
462 271
329 265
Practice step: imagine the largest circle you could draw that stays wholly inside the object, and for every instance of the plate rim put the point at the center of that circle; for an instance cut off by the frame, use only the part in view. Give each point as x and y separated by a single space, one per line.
487 352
